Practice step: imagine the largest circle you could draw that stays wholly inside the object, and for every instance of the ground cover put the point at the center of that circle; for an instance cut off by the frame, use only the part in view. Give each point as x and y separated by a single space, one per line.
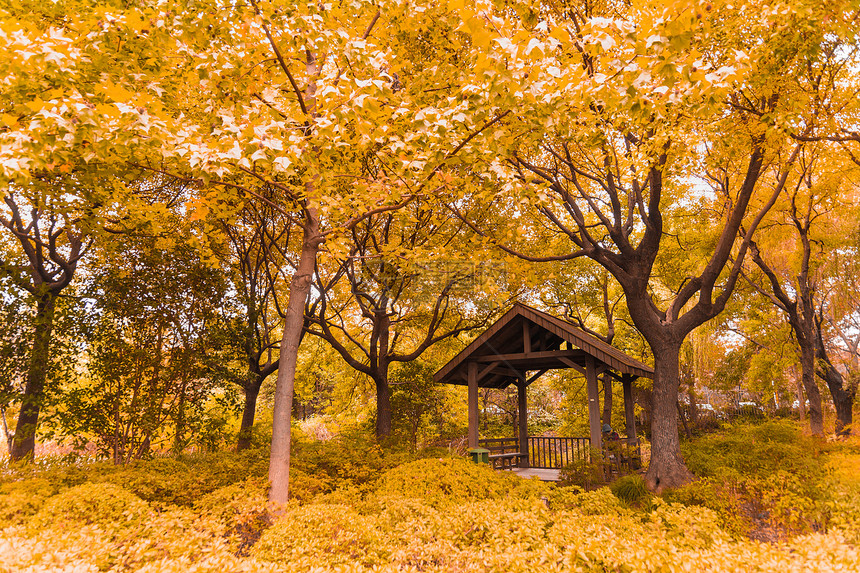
769 499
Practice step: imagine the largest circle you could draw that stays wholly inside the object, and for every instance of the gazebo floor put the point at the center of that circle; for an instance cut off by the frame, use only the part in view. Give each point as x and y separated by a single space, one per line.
542 474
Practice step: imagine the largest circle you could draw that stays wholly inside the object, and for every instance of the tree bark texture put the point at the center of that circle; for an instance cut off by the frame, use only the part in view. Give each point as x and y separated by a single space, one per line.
810 386
666 468
300 286
24 441
383 404
607 398
246 427
843 394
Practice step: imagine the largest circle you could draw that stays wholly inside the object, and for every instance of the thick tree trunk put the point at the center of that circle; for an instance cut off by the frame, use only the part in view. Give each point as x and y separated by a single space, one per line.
24 442
666 469
246 427
844 404
383 405
300 286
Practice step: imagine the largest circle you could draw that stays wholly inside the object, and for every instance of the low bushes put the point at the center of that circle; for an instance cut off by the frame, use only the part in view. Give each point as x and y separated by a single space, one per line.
100 504
441 514
445 481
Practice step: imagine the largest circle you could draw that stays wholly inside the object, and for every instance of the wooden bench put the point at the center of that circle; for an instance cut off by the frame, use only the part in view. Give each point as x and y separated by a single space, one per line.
508 461
504 452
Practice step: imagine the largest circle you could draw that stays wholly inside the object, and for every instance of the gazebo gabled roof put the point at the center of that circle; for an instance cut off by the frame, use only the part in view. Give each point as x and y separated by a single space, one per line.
526 339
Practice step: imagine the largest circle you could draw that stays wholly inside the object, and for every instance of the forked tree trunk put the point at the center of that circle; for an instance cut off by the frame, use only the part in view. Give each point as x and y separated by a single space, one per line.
300 286
24 442
666 468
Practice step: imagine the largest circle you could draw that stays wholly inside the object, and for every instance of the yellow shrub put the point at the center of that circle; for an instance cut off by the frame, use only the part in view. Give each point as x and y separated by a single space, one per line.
100 504
450 481
321 535
21 499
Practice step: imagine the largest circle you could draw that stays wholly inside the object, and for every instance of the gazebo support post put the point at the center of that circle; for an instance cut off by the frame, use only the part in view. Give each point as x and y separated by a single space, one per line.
522 419
629 417
472 375
593 404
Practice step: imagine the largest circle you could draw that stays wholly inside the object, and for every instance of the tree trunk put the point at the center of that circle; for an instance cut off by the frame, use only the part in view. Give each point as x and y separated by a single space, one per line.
24 441
843 400
694 409
607 399
807 377
801 397
246 427
666 469
843 395
300 286
383 403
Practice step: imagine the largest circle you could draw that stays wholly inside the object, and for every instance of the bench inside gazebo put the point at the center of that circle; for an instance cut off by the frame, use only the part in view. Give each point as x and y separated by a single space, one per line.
517 349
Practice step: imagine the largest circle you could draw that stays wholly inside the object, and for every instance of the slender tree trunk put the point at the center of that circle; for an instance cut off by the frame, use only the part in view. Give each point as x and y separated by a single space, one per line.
607 399
810 386
246 427
24 441
666 468
843 395
843 400
683 420
694 409
300 286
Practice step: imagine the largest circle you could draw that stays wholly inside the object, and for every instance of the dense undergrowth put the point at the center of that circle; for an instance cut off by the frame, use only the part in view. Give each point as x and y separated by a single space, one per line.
769 500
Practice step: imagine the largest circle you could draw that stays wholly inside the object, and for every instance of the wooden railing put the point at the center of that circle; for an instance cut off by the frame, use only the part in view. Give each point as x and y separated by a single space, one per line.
556 453
620 457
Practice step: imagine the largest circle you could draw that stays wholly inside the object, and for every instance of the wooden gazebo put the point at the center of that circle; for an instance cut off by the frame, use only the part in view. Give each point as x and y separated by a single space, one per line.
524 344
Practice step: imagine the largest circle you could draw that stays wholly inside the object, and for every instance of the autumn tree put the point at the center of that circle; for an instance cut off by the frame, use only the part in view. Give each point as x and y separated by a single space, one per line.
65 142
256 252
393 296
626 120
52 241
144 385
296 100
234 97
792 275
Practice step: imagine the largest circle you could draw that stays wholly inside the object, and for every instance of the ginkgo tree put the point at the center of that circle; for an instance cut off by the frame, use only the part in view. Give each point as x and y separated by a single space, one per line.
624 119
